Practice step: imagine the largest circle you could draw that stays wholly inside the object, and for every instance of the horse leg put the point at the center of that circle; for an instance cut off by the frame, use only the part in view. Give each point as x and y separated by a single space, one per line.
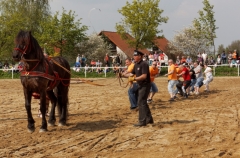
43 111
28 98
63 103
53 99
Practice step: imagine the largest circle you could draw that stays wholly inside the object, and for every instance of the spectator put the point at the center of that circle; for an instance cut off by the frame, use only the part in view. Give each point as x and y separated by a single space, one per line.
224 57
229 57
211 61
87 69
183 60
83 60
78 60
161 59
219 60
151 58
199 57
98 63
189 60
204 57
93 63
107 60
155 56
106 69
99 70
145 56
118 60
234 56
113 61
178 61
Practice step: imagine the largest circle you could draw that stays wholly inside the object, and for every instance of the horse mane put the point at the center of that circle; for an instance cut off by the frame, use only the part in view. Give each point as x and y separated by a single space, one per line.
26 38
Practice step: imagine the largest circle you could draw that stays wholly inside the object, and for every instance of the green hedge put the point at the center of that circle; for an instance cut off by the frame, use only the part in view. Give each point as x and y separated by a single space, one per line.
8 75
226 71
81 74
219 71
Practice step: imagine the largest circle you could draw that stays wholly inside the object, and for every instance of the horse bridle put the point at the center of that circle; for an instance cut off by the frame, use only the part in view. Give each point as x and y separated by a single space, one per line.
24 50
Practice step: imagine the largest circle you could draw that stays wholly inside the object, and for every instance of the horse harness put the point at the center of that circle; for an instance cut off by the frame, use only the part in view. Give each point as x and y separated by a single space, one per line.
53 78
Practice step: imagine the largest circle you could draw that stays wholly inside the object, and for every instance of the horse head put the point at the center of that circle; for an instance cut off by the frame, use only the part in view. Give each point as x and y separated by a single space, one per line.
26 47
22 42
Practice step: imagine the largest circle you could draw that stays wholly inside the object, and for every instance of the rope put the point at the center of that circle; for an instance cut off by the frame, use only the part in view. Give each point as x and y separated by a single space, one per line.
90 81
120 79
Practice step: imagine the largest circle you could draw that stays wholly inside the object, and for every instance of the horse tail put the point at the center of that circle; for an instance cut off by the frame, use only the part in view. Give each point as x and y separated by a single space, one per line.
62 100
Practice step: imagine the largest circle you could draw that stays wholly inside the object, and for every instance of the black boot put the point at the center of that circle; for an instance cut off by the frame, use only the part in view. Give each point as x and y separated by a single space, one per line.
150 120
139 124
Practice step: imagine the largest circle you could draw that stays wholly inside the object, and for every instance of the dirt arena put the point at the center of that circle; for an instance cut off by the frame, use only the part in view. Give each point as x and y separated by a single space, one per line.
101 124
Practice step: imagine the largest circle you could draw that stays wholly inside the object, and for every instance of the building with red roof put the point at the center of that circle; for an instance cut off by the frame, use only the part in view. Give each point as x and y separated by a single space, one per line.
120 46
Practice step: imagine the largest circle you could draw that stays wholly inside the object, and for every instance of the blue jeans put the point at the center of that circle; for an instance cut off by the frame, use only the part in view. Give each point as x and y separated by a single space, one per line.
193 82
133 95
172 86
199 82
154 88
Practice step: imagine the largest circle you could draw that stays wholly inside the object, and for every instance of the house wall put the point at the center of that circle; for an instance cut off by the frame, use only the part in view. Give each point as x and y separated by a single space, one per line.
123 56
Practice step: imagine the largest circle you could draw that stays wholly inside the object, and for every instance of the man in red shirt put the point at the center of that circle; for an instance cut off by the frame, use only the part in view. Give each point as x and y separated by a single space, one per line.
182 86
106 60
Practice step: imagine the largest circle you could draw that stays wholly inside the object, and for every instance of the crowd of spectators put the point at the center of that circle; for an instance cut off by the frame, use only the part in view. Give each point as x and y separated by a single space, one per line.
230 58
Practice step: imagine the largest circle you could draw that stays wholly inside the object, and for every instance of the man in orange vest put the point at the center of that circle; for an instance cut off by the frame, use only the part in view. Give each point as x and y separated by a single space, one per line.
132 91
153 70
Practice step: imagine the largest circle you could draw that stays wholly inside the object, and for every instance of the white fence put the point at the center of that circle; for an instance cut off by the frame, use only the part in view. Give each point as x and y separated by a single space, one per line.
86 70
8 70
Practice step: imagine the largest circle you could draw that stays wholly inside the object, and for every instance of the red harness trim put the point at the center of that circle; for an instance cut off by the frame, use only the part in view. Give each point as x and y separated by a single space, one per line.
37 74
53 78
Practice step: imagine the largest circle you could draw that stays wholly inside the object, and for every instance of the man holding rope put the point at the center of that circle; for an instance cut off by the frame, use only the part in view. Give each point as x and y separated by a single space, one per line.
141 70
132 91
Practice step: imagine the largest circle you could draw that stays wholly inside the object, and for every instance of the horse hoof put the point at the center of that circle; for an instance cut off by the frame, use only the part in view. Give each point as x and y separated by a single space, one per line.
42 130
31 130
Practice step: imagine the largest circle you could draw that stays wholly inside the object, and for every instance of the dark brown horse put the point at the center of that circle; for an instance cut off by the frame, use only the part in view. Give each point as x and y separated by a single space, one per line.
42 75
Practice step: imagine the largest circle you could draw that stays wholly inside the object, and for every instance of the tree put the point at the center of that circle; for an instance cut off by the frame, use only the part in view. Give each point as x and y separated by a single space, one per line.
64 32
186 41
94 48
141 20
205 24
16 15
221 48
234 45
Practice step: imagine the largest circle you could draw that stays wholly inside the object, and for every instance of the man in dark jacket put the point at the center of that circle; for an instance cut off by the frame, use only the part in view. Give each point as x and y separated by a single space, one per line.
141 70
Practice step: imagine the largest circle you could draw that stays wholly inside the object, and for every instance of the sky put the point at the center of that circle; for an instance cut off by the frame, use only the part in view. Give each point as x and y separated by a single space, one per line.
102 15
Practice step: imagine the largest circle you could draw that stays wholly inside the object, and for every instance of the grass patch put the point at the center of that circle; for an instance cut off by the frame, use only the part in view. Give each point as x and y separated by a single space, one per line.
8 75
219 71
226 71
81 74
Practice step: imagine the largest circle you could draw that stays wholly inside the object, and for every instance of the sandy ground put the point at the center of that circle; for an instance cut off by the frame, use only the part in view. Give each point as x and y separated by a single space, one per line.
101 124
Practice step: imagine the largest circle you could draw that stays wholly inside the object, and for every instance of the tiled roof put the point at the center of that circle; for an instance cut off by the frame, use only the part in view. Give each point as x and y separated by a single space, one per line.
120 43
161 43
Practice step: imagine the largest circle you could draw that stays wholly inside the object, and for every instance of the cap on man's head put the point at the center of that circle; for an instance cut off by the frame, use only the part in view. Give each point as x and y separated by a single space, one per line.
136 53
